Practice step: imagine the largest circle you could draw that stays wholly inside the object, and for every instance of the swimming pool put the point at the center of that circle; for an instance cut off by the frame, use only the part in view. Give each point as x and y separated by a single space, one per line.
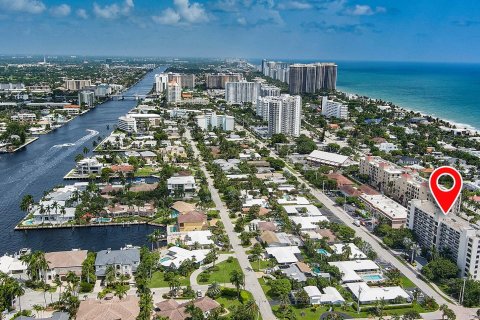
101 219
28 222
174 229
372 277
323 251
165 259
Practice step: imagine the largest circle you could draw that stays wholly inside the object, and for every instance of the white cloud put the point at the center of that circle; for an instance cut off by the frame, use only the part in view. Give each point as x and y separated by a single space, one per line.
114 10
242 21
82 13
365 10
29 6
183 13
192 13
294 5
62 10
168 16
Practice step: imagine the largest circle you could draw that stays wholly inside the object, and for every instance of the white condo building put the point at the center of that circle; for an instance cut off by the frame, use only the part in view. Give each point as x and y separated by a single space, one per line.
161 81
174 92
446 232
86 97
283 113
211 120
242 91
333 109
127 124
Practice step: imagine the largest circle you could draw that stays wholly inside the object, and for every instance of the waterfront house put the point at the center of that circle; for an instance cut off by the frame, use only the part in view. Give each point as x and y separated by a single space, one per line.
57 207
12 265
89 166
124 261
60 263
109 309
181 207
192 220
173 310
181 185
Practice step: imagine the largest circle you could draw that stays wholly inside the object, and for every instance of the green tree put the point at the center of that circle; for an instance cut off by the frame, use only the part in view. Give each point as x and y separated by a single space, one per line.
236 278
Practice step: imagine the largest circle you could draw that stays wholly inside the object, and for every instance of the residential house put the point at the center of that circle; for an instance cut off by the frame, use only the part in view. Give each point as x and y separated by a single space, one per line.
193 220
60 263
124 261
109 309
181 184
175 256
173 310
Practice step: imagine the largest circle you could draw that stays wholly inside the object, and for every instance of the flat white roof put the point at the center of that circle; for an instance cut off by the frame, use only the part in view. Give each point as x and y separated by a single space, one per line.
356 253
350 268
331 295
387 206
312 291
176 255
327 157
368 294
181 180
309 209
203 237
293 200
308 223
284 254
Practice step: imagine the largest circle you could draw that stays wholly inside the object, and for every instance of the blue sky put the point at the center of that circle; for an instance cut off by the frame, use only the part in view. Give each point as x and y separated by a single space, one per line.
395 30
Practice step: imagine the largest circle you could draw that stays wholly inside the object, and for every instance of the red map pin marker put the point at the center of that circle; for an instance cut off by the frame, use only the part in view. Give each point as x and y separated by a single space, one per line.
445 198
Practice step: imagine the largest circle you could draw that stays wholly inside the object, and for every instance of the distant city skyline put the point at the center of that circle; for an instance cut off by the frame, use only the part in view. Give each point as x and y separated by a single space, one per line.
370 30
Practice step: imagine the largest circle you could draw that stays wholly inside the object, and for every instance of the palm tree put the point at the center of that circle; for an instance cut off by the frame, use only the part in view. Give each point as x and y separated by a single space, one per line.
58 283
121 291
236 278
37 308
26 203
85 150
110 275
151 239
252 309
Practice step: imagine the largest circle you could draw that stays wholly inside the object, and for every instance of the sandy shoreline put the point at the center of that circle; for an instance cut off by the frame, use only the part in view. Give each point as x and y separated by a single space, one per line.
458 125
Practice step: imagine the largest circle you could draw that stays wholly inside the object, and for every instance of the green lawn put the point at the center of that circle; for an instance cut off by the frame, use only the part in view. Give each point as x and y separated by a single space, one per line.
264 264
406 283
222 275
228 302
145 172
309 313
157 280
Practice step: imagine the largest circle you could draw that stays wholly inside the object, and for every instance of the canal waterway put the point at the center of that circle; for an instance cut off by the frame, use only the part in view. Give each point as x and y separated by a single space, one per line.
41 166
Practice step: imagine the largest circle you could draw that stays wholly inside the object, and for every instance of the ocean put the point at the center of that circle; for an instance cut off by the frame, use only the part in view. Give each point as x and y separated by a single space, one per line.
449 91
446 91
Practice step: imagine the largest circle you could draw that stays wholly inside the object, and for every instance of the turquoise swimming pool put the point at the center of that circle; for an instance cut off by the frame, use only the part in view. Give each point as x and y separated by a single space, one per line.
165 259
174 229
103 219
28 222
323 251
372 277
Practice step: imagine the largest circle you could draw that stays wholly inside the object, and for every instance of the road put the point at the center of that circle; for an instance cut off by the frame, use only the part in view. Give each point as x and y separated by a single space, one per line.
461 312
251 280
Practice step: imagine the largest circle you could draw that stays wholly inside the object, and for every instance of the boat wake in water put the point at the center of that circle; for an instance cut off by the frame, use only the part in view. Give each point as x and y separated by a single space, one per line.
28 171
